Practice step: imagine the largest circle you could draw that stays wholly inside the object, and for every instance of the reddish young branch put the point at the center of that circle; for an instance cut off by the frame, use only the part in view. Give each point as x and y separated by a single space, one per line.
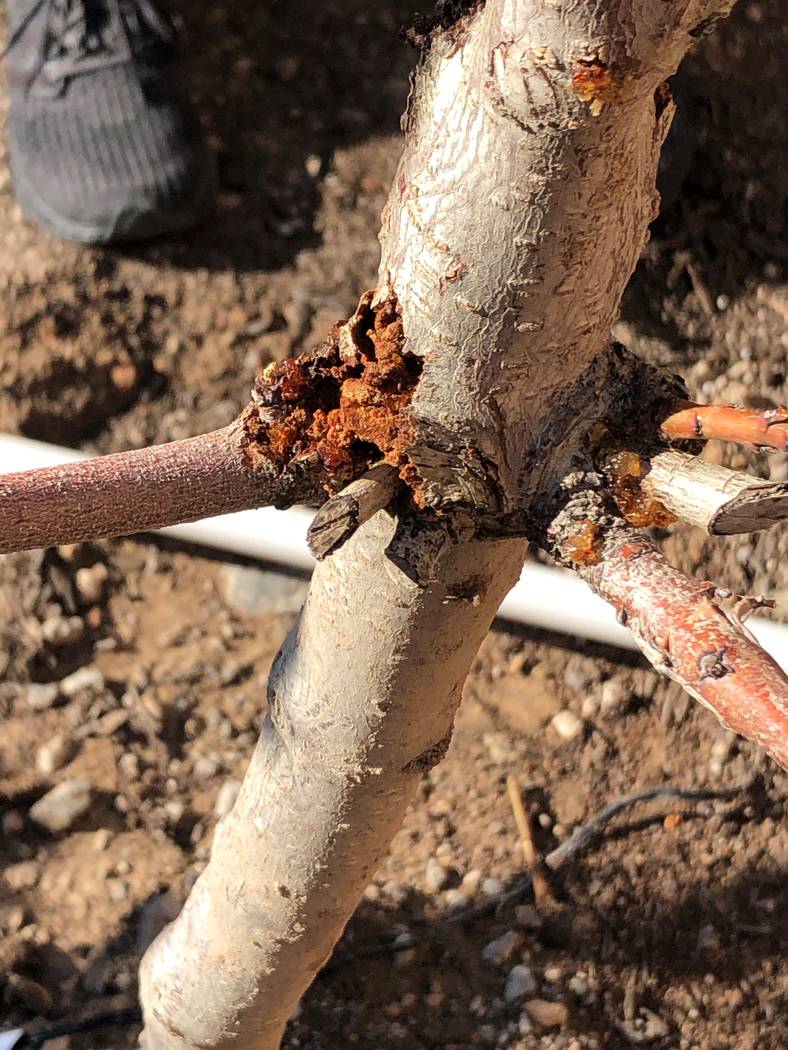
684 632
140 490
747 426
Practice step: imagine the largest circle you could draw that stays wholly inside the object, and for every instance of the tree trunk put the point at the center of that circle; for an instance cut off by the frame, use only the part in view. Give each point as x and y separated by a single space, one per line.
516 217
363 696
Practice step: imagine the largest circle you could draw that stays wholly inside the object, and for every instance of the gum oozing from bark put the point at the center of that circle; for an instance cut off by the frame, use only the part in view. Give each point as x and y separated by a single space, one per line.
342 407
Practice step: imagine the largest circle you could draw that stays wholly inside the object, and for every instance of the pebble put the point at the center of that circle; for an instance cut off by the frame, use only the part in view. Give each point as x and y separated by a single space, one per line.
502 948
257 592
102 839
62 630
567 724
471 882
22 876
41 696
85 678
90 582
61 807
614 698
491 887
547 1014
553 974
578 985
395 891
53 754
528 916
435 876
456 899
519 983
225 799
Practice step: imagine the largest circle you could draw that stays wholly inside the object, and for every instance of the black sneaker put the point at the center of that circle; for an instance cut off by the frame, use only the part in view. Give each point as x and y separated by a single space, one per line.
103 144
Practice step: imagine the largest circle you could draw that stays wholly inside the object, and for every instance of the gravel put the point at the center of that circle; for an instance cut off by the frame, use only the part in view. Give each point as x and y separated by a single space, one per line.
62 807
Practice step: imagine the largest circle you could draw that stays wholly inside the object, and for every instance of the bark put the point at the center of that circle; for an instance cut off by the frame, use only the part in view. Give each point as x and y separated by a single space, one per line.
721 501
341 515
762 428
145 489
362 696
516 217
685 633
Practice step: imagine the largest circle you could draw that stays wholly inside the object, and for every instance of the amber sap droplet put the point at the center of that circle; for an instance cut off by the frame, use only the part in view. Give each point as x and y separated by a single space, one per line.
626 471
582 545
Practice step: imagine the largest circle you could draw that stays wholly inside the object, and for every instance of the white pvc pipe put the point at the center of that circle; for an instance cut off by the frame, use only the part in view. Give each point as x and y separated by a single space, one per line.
544 596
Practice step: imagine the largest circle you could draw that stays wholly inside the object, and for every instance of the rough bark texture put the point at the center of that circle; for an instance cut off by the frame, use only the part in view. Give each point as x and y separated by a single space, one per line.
145 489
363 696
517 215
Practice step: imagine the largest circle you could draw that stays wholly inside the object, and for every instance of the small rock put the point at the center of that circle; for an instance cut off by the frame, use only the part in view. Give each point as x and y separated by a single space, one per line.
645 1028
84 679
455 898
102 839
53 754
63 805
90 582
15 918
502 948
589 707
257 592
62 630
566 724
552 974
614 698
528 916
578 985
41 695
397 892
471 882
491 887
225 799
519 983
435 876
112 721
22 876
547 1014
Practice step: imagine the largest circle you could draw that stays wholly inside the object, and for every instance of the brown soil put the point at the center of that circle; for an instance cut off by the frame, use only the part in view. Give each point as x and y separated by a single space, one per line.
679 909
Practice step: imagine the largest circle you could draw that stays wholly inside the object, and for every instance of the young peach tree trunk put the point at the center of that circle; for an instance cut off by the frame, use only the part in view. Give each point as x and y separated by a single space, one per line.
473 400
516 217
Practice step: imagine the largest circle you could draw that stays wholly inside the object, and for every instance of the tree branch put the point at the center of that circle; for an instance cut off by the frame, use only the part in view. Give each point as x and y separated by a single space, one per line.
145 489
764 429
674 485
685 633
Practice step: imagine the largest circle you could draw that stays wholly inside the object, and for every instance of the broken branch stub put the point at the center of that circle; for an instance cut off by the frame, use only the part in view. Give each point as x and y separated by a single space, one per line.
342 514
667 486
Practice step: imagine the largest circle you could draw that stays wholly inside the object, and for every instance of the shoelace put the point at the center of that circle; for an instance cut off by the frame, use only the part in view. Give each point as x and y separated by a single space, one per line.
81 35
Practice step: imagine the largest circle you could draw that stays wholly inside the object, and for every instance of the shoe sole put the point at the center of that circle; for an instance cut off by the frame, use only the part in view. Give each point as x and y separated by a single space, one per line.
127 227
